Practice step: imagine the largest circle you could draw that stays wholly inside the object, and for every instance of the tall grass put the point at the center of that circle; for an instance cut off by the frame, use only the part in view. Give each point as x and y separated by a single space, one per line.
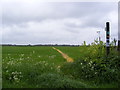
43 67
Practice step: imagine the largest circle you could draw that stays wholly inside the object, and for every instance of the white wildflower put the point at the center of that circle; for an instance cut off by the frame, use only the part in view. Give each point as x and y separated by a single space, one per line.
39 56
58 67
10 78
33 51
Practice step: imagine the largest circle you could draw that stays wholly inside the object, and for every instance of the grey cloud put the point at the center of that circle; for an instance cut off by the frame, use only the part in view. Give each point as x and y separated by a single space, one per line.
15 13
54 22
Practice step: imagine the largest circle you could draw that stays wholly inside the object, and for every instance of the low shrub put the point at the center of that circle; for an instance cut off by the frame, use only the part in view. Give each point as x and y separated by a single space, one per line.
96 67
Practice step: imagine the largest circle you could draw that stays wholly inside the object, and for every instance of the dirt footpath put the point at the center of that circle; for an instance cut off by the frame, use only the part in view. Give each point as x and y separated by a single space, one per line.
69 59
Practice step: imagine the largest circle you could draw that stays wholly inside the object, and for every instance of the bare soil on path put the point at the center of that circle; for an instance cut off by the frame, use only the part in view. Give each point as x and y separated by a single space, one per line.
69 59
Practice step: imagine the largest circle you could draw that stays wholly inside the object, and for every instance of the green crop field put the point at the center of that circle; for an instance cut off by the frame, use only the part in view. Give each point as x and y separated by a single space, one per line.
44 67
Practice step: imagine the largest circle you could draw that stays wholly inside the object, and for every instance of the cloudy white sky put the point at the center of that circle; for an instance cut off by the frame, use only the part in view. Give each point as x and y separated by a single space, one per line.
57 22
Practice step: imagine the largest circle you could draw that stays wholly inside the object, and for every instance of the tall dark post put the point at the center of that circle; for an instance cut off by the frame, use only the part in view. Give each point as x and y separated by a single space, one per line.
107 38
119 45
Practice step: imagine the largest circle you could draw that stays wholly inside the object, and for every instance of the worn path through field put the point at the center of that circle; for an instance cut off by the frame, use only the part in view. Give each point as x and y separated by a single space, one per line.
69 59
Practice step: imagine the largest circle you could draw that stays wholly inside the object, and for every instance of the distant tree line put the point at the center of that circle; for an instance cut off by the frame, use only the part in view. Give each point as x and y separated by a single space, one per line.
39 45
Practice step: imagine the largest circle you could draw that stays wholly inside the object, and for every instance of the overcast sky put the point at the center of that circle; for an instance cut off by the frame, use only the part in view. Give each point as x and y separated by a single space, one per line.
57 22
